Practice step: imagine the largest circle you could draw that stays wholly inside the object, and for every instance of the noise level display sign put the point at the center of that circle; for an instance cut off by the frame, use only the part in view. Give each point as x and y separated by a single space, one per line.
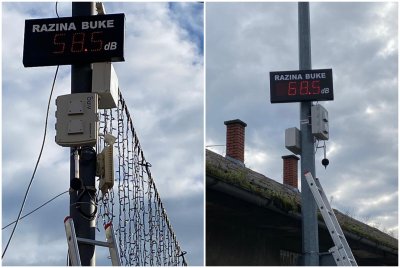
74 40
299 86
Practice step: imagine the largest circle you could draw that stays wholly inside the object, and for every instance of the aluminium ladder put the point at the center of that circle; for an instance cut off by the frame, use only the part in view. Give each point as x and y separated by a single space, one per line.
341 252
73 243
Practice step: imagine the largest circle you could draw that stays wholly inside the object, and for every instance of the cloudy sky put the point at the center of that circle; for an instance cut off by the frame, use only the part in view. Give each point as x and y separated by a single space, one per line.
162 82
245 41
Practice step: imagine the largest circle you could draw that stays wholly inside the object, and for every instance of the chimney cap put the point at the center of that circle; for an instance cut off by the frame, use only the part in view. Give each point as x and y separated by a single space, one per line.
235 121
290 156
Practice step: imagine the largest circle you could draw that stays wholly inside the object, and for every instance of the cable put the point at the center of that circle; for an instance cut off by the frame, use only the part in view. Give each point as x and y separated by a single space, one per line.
37 163
57 9
90 216
26 215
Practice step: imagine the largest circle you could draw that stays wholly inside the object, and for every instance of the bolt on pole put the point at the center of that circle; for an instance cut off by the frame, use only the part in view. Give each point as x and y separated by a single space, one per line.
81 82
309 208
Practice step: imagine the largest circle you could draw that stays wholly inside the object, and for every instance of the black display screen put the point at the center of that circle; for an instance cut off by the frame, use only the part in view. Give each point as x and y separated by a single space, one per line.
299 86
74 40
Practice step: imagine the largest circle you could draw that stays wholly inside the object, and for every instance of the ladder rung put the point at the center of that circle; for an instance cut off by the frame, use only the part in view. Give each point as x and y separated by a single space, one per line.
93 242
73 241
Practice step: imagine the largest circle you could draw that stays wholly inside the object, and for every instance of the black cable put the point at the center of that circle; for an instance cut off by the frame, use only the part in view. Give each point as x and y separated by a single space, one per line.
26 215
57 10
90 216
37 163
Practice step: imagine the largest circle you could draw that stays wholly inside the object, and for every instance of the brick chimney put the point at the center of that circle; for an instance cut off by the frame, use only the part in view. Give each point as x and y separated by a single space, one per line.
235 139
290 174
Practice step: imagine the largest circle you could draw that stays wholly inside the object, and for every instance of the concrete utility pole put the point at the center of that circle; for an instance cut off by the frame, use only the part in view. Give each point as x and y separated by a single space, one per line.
309 208
81 82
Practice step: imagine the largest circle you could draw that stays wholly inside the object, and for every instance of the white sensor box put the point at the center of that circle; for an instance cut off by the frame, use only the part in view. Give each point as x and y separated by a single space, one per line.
76 119
105 83
319 122
292 140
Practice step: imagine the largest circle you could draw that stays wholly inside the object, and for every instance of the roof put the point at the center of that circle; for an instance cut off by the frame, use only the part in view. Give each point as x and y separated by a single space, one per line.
284 198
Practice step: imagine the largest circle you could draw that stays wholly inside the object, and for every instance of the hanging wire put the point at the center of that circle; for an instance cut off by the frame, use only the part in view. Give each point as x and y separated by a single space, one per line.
143 230
36 209
57 9
36 166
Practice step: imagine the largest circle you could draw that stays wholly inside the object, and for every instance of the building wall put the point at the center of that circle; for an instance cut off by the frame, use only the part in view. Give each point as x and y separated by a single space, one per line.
242 246
239 234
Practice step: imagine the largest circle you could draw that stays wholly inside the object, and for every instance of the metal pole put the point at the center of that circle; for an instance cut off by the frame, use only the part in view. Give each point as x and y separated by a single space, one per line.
309 208
82 201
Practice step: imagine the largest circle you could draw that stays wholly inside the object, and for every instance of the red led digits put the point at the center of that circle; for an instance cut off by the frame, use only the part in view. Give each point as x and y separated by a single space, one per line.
303 88
315 85
96 40
78 42
292 88
59 44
